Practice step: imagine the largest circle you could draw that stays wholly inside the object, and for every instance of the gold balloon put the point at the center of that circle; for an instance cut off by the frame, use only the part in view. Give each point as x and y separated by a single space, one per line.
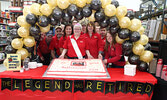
135 24
17 43
121 11
35 9
141 30
92 17
23 32
45 9
143 40
118 40
63 4
124 22
29 41
110 10
88 1
73 1
5 62
45 29
23 52
52 3
146 56
21 20
105 3
138 49
26 10
81 3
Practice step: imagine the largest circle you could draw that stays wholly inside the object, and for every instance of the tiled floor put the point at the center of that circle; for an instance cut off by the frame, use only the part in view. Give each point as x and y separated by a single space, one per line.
2 68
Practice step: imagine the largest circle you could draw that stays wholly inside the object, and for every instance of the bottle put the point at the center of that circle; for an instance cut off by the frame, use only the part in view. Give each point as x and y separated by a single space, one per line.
159 67
164 69
165 77
25 63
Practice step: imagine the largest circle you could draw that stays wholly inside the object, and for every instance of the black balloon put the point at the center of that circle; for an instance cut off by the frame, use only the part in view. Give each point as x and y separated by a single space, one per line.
57 13
142 66
9 39
53 21
37 37
124 33
43 21
130 14
42 2
127 45
29 49
95 4
9 49
113 21
128 52
79 15
13 33
31 19
147 46
134 59
86 11
114 30
115 3
17 26
72 10
67 17
34 30
134 36
99 15
104 23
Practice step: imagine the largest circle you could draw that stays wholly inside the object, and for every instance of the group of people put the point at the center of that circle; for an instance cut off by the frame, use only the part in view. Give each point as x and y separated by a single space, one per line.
81 41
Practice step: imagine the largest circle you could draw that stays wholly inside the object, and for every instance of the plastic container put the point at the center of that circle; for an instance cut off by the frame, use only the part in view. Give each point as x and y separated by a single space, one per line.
164 69
25 63
159 68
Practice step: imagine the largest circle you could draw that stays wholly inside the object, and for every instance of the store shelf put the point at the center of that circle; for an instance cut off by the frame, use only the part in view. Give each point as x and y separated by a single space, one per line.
4 30
154 14
4 18
3 44
3 24
3 36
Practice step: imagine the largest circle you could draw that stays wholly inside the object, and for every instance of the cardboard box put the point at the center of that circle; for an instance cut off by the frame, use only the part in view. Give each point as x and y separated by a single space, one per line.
130 70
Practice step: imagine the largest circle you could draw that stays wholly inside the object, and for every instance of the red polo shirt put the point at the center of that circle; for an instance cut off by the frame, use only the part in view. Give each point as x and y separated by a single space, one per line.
62 41
94 43
43 48
55 45
114 54
81 42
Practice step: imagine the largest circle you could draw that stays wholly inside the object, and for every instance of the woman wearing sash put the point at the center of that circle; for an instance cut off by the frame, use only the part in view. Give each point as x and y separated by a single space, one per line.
113 52
76 45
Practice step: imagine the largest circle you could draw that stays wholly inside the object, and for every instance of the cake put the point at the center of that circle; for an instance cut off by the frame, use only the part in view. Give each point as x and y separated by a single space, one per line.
77 68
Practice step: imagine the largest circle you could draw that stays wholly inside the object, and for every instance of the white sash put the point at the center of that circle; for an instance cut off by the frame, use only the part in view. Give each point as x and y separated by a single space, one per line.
76 48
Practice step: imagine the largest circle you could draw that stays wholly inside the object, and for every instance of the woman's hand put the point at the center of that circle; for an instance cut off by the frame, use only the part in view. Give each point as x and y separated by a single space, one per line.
42 58
61 57
105 61
90 57
100 56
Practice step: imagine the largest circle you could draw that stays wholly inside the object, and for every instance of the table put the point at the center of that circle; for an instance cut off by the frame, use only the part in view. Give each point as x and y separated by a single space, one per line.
116 74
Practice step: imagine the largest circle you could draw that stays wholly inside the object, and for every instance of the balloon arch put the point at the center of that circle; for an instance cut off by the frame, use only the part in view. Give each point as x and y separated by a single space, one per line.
39 17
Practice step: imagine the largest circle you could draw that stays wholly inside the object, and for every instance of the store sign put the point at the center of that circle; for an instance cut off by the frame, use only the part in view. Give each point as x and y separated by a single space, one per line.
13 62
76 85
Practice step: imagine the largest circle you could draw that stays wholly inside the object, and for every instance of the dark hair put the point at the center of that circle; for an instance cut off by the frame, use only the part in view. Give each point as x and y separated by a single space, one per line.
107 43
65 29
90 24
